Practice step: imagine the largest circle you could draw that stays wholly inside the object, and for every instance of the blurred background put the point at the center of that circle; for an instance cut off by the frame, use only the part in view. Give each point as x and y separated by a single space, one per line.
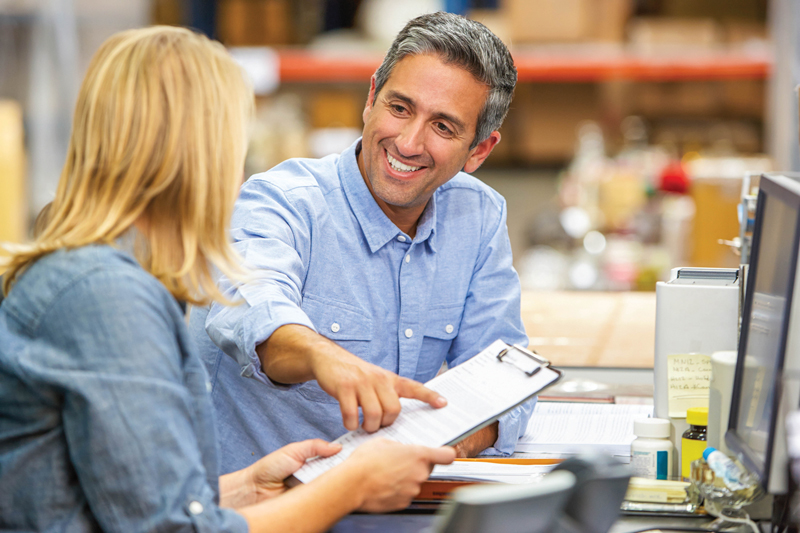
633 124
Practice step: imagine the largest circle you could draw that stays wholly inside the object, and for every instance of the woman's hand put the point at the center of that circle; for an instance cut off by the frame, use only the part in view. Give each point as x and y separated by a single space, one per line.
391 474
379 476
264 479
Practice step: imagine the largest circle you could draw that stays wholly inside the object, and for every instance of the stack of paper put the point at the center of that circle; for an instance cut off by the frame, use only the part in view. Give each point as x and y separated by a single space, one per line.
656 490
563 429
494 472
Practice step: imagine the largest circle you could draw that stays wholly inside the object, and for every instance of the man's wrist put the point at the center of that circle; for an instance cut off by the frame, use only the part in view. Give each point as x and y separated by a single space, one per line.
477 442
286 355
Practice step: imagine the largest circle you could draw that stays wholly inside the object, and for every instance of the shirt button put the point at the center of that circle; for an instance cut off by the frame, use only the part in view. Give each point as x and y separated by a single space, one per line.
401 238
208 386
408 259
335 327
409 333
195 507
449 328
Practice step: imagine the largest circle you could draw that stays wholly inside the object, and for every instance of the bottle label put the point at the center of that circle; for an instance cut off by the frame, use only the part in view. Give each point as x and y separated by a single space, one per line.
651 464
690 450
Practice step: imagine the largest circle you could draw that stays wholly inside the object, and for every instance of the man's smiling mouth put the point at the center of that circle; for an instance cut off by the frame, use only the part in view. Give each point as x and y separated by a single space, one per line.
398 166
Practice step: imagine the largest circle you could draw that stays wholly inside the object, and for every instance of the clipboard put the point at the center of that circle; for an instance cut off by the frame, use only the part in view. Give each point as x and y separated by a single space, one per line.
479 391
523 355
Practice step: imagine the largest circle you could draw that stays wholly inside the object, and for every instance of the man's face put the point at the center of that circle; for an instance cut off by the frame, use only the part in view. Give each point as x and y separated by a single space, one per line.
417 133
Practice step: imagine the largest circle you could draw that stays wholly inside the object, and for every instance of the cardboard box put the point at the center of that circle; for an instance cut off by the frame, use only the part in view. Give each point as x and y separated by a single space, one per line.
732 9
547 20
566 20
692 135
657 99
609 19
653 35
743 31
255 22
169 12
715 218
337 109
743 98
546 118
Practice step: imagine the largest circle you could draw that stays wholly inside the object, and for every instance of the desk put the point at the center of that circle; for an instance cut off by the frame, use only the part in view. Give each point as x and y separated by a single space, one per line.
418 523
592 329
575 382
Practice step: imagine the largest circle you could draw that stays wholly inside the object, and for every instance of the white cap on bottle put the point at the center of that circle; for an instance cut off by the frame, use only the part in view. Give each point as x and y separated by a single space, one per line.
651 428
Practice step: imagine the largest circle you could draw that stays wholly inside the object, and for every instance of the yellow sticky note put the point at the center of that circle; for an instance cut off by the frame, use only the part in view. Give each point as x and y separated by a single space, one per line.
688 379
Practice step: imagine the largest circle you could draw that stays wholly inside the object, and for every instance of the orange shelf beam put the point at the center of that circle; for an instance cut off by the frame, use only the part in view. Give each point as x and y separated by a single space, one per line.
320 67
310 67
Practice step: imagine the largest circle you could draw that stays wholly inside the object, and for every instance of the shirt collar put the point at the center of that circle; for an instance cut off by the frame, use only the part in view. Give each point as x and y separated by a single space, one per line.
377 228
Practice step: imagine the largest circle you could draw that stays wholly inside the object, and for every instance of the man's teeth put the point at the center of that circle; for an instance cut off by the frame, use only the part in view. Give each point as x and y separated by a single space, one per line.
400 167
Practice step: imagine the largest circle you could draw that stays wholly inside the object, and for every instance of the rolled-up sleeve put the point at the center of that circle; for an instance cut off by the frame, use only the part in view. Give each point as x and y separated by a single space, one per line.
493 311
273 236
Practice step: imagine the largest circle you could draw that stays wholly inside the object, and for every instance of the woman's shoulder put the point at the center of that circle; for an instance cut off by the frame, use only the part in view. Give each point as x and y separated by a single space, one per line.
81 277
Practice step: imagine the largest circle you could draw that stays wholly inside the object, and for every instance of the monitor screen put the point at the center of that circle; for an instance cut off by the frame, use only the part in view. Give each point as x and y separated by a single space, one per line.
765 321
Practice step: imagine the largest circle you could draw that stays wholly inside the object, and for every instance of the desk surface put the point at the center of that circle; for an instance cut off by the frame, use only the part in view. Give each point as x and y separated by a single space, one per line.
606 329
419 523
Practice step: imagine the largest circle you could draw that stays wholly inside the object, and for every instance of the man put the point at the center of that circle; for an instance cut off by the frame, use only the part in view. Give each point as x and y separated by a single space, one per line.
376 265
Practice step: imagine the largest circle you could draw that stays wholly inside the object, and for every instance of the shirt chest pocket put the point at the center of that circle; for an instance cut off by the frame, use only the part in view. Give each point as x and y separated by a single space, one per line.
443 323
341 323
441 327
336 320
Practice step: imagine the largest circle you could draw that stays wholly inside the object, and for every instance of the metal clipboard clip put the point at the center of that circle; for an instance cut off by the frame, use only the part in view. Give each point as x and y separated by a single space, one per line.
531 363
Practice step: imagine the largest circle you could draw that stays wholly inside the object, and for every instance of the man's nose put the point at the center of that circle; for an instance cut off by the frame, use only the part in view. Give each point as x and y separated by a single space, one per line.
411 140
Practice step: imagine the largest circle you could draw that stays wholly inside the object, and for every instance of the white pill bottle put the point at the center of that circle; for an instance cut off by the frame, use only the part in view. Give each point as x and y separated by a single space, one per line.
652 451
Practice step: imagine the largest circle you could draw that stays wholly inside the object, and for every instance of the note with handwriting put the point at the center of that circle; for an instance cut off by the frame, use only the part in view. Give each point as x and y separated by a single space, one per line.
688 379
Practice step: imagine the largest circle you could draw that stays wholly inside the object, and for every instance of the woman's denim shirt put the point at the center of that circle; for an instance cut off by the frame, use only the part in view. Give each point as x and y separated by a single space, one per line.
105 419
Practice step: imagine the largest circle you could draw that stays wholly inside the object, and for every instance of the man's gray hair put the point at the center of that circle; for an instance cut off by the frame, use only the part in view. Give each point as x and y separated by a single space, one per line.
468 44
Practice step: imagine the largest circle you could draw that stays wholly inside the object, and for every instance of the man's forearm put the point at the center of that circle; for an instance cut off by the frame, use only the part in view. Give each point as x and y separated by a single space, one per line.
477 442
294 354
287 356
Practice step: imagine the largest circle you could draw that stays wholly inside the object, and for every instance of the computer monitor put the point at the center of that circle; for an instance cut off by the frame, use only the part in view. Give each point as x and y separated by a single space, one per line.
769 344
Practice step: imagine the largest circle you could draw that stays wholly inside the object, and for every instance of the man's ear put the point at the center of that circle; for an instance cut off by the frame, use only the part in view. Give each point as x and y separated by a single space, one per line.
479 154
370 99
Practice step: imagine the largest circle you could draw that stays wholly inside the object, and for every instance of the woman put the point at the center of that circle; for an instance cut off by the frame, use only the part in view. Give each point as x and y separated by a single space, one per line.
105 419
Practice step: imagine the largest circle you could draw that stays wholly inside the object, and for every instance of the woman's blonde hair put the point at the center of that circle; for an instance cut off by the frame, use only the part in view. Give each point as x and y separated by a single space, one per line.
159 135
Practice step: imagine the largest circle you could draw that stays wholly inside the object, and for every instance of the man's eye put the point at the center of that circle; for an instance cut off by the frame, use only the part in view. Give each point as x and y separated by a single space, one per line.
398 108
443 128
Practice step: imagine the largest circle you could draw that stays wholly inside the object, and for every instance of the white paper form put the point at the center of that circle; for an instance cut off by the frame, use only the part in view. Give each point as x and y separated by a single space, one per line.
476 391
496 472
574 427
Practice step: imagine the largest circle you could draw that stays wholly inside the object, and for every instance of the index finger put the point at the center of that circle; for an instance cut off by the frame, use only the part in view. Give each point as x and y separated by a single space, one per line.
408 388
443 455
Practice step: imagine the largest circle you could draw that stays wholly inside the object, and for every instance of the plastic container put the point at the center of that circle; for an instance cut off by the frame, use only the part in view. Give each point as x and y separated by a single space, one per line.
723 467
652 451
693 442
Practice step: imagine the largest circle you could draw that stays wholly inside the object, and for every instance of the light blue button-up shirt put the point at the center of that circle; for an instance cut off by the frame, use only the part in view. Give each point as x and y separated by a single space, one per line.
331 260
